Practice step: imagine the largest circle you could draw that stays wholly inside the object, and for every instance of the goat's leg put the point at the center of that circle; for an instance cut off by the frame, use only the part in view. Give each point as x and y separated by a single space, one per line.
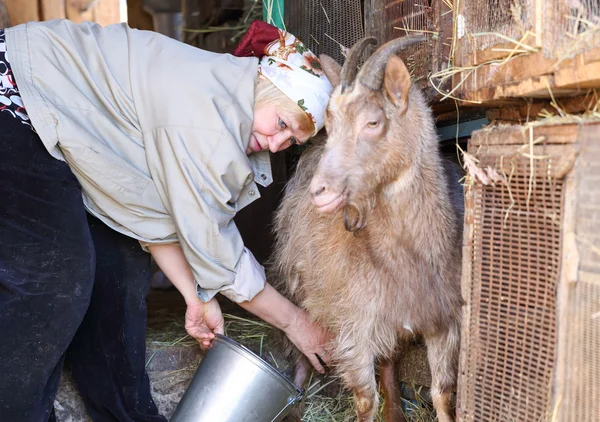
301 373
442 352
392 411
358 375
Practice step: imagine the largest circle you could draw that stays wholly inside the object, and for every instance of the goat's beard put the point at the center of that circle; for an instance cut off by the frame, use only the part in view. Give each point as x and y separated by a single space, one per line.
357 212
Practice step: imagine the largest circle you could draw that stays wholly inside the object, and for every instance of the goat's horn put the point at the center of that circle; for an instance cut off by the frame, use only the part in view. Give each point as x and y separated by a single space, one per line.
371 74
351 63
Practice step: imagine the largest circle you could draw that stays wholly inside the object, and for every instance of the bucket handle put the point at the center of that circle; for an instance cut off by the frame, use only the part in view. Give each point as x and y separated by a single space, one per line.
291 401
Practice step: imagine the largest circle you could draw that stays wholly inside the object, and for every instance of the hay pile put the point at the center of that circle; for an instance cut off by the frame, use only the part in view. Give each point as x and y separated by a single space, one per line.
325 399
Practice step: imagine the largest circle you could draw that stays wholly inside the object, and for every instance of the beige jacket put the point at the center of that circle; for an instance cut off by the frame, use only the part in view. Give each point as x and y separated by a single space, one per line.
155 131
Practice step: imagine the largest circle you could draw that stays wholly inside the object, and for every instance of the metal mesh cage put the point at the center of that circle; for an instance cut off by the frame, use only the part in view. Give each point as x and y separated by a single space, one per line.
571 27
325 25
389 19
484 25
531 278
514 277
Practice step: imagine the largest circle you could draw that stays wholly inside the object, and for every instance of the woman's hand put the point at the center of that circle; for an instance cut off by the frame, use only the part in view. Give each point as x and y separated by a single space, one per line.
203 321
310 338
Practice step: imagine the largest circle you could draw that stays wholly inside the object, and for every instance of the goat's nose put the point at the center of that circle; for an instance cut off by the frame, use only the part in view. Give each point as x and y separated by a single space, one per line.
317 186
319 190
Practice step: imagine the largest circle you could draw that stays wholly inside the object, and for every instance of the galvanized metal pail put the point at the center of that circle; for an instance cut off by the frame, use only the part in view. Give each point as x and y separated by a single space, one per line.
232 384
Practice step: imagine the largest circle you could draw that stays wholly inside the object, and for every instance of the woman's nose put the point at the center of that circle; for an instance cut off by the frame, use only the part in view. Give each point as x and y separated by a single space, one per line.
278 140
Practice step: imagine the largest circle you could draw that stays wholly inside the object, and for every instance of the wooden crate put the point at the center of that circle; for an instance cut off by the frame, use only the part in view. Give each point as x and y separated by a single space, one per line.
104 12
530 347
559 55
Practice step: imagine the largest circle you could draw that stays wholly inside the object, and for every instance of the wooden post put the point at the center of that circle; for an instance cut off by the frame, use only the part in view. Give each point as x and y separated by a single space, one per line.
52 9
137 17
79 10
106 12
21 11
4 18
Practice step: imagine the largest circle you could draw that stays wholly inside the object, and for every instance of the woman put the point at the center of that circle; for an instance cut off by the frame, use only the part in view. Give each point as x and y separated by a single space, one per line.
164 143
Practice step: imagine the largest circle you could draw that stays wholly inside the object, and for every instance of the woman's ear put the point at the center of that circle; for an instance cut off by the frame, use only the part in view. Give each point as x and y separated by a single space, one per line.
331 68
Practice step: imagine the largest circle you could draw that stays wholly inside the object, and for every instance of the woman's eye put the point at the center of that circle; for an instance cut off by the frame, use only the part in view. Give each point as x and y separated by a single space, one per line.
372 124
293 141
282 124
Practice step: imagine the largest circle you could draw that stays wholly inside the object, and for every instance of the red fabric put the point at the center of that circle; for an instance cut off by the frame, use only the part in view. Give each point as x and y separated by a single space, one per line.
259 35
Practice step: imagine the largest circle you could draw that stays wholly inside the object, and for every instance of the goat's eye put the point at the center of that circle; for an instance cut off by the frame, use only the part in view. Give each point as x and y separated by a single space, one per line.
293 141
282 124
373 124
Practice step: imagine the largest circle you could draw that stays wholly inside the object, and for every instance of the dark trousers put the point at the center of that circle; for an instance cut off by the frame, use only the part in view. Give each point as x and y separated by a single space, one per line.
67 281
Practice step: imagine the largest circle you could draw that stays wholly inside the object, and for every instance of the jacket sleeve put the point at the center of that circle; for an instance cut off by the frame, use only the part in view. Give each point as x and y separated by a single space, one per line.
199 175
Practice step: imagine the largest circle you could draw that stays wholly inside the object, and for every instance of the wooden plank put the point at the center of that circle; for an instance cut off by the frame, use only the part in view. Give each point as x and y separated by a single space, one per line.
137 17
79 10
580 76
519 135
536 87
52 9
21 11
4 18
106 12
528 112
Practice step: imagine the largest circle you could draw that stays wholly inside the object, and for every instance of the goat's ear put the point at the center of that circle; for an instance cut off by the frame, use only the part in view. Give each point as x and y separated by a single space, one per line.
397 81
331 68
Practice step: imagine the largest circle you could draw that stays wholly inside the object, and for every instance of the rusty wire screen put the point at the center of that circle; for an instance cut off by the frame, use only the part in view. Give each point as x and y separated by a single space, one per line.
571 27
325 25
482 25
389 19
509 353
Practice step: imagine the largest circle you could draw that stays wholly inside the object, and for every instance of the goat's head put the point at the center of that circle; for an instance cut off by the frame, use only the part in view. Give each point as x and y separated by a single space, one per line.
365 120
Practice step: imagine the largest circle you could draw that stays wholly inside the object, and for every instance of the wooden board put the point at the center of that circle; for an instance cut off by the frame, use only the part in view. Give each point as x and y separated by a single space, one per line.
21 11
4 18
79 11
106 12
52 9
530 76
137 17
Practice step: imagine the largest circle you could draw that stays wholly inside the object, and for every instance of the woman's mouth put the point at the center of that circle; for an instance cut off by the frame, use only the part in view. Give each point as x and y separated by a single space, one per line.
254 145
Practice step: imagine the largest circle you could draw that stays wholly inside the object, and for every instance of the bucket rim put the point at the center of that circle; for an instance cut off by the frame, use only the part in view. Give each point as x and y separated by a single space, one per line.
262 363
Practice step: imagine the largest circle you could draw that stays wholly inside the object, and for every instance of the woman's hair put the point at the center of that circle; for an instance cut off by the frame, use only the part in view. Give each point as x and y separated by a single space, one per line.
267 94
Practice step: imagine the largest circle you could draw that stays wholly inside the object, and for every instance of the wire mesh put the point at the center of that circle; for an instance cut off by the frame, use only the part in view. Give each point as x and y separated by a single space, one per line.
389 19
512 331
490 22
325 25
571 27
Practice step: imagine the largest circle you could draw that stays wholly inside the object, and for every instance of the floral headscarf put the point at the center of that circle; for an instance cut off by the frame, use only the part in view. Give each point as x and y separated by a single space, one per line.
290 66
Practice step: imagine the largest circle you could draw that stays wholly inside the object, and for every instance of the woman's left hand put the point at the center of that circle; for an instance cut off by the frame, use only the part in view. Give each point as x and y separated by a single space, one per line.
310 338
204 320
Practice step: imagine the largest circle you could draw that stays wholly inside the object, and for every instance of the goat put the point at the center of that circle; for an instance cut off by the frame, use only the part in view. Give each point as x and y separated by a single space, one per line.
368 236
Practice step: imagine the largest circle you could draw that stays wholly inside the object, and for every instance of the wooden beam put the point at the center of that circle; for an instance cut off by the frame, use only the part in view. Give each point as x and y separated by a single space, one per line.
78 11
52 9
4 18
137 17
21 11
106 12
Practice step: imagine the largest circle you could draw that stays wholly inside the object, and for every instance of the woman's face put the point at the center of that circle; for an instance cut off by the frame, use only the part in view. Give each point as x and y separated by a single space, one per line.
275 130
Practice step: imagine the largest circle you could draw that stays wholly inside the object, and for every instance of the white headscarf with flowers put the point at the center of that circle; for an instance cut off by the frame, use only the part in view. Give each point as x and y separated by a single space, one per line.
297 72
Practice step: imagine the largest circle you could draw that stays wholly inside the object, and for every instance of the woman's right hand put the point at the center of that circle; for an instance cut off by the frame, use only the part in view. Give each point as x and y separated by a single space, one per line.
310 338
204 320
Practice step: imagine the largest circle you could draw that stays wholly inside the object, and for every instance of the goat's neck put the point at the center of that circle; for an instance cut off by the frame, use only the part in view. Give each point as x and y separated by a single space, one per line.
413 211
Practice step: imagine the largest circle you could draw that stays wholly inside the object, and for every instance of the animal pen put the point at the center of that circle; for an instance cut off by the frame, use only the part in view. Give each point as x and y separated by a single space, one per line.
530 348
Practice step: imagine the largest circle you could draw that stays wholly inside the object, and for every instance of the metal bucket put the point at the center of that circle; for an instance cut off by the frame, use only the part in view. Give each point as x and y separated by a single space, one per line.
232 384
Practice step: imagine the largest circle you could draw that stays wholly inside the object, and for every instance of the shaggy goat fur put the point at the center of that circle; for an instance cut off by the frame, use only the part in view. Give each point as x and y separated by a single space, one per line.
386 266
